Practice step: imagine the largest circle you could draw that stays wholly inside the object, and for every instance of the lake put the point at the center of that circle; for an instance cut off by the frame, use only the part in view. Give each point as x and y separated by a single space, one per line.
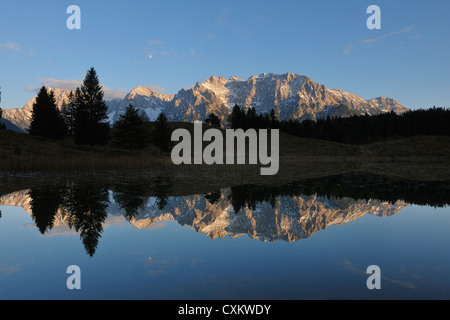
307 239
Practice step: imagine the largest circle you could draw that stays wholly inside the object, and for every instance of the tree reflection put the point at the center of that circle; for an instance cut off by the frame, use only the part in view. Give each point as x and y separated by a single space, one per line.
213 197
130 197
82 206
371 186
45 203
248 196
350 185
162 191
86 206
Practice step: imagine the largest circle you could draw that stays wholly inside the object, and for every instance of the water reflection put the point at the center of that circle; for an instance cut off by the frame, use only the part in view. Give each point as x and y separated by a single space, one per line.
81 206
288 212
45 203
129 199
84 206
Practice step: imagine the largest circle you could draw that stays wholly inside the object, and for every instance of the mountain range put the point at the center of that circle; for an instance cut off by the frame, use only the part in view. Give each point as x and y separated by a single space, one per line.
292 96
291 218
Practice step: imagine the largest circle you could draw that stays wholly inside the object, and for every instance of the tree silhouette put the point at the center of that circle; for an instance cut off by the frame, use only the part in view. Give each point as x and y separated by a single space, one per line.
273 116
68 111
353 129
213 197
46 119
86 206
162 133
162 190
213 121
247 196
90 126
129 131
236 120
128 197
45 203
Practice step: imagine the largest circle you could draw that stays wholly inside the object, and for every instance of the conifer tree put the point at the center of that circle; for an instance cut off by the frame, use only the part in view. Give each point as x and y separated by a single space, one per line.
68 111
46 119
236 120
162 134
213 121
273 118
90 125
129 130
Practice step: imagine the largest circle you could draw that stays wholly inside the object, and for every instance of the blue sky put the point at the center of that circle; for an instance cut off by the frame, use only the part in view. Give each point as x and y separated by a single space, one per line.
408 59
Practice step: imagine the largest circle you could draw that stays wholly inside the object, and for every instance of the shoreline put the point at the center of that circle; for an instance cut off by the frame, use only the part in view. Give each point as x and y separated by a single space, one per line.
187 179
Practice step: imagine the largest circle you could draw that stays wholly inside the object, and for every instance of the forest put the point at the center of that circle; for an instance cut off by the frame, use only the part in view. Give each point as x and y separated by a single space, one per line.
356 129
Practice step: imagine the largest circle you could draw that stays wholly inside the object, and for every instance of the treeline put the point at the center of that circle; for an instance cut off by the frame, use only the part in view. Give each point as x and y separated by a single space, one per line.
350 130
356 186
84 117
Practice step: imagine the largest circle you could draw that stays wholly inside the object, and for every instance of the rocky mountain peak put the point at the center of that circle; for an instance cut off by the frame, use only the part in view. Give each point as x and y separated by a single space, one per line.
141 91
388 105
292 96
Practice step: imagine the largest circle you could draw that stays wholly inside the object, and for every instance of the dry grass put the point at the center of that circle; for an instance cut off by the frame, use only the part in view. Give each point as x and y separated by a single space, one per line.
420 157
21 153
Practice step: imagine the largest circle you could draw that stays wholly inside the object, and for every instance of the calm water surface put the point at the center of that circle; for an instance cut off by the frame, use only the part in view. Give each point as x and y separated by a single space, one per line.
297 241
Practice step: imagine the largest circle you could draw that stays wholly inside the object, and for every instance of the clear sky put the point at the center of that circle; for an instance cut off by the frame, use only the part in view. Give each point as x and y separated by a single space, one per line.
170 45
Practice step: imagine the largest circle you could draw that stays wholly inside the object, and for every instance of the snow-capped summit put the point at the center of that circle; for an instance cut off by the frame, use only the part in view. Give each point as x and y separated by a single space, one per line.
149 102
147 92
387 105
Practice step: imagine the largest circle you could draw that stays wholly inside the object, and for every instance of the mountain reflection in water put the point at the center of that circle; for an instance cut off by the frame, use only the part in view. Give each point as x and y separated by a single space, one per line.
289 212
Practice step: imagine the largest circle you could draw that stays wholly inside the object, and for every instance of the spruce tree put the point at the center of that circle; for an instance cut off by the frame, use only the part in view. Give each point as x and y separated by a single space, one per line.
46 119
89 123
162 134
273 118
236 120
68 111
129 130
213 121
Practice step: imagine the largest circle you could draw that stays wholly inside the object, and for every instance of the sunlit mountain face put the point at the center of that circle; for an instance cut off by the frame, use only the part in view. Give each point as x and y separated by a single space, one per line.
291 96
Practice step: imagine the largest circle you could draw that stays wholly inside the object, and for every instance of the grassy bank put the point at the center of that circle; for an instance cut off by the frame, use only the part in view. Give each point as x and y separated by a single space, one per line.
421 156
